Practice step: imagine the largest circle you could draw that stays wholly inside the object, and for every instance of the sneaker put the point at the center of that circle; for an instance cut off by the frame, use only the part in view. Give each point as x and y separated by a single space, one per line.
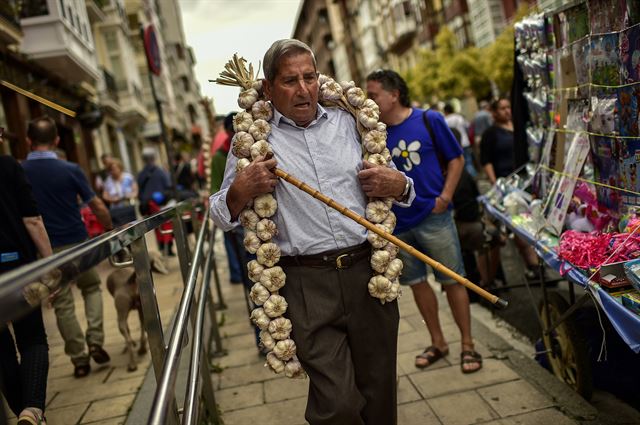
98 354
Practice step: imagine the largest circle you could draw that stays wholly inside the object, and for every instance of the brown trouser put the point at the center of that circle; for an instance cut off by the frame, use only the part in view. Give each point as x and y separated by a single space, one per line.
347 343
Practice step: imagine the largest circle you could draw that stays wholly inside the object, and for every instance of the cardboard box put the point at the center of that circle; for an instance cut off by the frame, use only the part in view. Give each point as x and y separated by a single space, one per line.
612 276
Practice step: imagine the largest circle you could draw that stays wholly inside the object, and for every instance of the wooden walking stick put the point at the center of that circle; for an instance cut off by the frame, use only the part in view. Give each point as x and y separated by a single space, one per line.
497 301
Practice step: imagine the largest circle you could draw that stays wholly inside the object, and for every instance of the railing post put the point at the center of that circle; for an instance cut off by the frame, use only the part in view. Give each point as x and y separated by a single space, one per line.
184 254
150 312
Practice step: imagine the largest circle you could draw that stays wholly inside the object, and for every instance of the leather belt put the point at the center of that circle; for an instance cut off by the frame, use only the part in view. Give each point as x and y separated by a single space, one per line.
339 259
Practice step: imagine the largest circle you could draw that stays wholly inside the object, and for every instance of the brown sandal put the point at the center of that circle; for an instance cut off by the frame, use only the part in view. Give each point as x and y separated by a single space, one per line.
470 357
431 354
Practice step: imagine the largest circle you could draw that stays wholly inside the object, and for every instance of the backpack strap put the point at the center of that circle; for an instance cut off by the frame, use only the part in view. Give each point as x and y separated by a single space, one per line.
441 160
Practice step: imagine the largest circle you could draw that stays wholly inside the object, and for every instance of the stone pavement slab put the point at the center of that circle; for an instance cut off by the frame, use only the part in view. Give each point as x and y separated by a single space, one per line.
440 394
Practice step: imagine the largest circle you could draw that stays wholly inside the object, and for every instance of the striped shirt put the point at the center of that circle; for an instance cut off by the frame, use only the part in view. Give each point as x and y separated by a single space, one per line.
327 155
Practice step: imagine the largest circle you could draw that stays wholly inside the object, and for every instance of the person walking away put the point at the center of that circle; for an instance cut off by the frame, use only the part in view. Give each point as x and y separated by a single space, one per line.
482 120
154 184
346 340
22 237
428 224
497 158
57 185
457 121
120 191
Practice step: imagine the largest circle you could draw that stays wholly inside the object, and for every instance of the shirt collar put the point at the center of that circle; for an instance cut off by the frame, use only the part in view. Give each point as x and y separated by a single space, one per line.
42 155
279 118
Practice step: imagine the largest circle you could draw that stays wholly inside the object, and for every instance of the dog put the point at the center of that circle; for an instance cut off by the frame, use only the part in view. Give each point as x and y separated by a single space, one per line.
123 286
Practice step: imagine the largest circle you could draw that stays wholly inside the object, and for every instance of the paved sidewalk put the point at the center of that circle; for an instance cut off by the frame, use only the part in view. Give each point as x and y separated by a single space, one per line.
510 389
498 394
105 396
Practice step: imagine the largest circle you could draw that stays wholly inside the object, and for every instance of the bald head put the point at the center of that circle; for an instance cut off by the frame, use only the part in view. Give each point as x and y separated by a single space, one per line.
42 131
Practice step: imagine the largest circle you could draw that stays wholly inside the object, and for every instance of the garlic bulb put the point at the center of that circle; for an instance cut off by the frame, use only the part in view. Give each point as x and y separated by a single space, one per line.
392 249
242 142
240 165
275 306
376 240
251 242
273 279
266 229
373 105
379 287
375 141
254 270
242 121
262 110
34 293
382 127
368 118
268 254
356 97
323 79
347 85
386 154
248 219
259 294
260 130
388 201
280 328
266 340
247 98
260 148
390 221
293 369
257 85
376 211
380 260
260 318
274 363
265 205
377 159
331 91
394 269
285 349
394 292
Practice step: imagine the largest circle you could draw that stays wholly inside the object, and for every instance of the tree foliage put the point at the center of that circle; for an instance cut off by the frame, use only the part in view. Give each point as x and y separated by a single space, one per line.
448 71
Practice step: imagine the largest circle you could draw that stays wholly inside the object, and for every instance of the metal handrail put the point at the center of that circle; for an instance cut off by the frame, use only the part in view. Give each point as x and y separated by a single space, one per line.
164 395
165 359
75 260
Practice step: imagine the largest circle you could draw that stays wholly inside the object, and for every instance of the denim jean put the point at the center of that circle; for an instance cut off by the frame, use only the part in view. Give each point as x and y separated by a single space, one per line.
437 237
235 269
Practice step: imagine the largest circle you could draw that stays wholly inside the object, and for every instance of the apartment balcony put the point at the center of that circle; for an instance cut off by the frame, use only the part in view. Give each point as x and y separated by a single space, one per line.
59 40
94 10
109 98
10 32
405 26
132 109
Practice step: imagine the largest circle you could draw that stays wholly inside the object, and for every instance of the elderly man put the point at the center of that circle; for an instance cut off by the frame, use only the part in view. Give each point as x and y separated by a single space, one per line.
346 339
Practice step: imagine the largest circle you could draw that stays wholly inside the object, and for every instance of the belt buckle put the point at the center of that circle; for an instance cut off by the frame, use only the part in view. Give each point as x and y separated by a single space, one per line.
339 264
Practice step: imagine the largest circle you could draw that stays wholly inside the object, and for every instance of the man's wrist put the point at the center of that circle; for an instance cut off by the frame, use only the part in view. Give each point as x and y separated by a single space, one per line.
446 198
405 191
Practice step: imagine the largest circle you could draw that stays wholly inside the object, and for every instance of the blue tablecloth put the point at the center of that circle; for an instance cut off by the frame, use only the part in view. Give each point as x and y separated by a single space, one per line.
626 323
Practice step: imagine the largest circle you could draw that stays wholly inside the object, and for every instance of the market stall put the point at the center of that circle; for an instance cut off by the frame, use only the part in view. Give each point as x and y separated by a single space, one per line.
578 200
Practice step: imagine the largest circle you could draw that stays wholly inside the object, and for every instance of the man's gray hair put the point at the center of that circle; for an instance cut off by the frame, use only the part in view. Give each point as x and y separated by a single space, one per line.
280 49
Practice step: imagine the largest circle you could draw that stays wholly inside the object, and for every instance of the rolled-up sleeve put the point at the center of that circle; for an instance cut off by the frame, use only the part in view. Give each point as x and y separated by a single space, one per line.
220 213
